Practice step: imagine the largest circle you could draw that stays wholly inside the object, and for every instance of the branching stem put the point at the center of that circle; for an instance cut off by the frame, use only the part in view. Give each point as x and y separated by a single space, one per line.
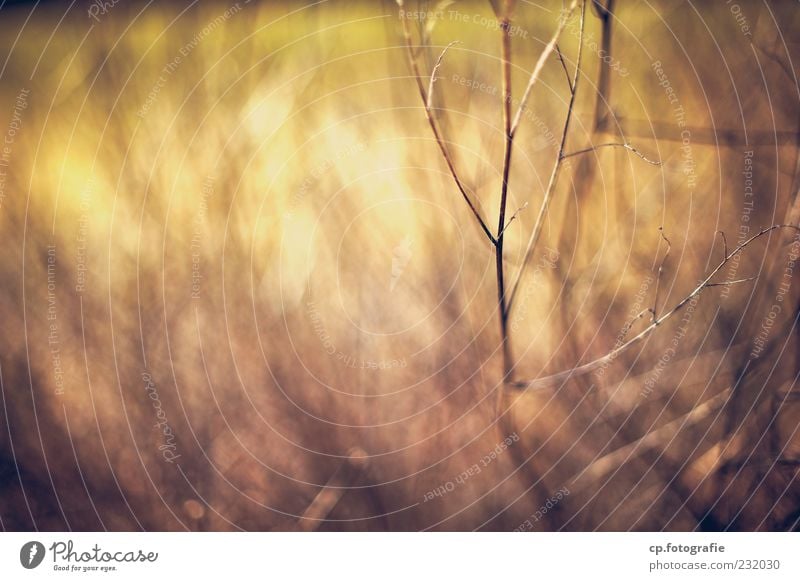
559 378
412 58
624 145
551 185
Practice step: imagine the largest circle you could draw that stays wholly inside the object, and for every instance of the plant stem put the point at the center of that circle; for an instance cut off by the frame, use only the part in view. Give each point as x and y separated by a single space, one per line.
427 104
508 363
559 378
551 185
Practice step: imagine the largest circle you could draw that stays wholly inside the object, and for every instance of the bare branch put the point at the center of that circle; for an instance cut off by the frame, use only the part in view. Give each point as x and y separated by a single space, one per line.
627 146
551 185
412 59
654 310
627 326
513 217
731 282
508 364
564 66
559 378
429 101
537 69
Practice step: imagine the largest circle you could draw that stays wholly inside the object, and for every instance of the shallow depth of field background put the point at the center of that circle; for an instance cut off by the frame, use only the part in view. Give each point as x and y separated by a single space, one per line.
224 273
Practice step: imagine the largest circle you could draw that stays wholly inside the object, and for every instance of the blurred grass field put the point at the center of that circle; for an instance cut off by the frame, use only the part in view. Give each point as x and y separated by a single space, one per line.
258 263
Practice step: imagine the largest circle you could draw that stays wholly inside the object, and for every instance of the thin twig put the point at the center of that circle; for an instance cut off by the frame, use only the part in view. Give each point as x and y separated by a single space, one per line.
551 185
429 102
564 66
627 146
559 378
654 310
502 309
513 217
731 282
537 69
627 326
435 128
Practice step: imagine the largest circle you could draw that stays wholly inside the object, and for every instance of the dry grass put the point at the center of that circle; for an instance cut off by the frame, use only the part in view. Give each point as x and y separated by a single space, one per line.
287 161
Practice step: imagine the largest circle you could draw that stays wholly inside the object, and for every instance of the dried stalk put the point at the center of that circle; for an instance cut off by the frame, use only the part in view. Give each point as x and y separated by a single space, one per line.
429 102
564 66
412 59
551 186
627 146
514 217
537 69
654 310
508 363
559 378
505 303
510 128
